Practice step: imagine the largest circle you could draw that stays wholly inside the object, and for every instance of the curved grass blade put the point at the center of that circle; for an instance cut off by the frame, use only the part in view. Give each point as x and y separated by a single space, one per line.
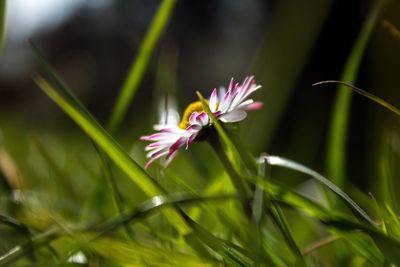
144 209
336 154
366 94
60 84
233 253
286 163
139 66
274 210
333 218
25 249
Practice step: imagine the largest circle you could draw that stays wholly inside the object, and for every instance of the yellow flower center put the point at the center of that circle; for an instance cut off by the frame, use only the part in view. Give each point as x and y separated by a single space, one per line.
195 106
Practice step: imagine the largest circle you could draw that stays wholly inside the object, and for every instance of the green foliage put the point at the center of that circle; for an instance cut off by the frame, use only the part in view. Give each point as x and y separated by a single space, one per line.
336 151
86 201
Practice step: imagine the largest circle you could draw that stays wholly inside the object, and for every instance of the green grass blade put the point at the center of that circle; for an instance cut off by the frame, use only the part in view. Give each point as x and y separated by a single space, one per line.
282 162
100 136
236 255
60 84
333 218
3 7
138 67
336 152
274 210
112 184
104 140
366 94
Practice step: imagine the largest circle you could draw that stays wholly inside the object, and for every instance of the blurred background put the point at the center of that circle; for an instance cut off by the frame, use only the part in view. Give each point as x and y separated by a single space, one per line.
287 45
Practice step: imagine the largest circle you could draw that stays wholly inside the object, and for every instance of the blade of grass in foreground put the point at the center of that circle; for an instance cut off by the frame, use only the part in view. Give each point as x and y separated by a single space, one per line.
279 161
139 66
336 154
388 245
142 210
100 136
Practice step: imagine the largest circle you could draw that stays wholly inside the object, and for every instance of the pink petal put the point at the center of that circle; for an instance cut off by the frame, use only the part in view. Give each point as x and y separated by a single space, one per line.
156 153
171 157
150 137
193 117
148 164
193 128
176 146
230 85
254 106
202 119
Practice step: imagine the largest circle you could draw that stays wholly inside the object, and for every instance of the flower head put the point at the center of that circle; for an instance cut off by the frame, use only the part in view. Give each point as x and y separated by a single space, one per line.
229 106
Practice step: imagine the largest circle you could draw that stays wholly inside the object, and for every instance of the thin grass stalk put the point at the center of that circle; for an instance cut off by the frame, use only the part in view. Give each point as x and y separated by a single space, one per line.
116 195
336 151
139 65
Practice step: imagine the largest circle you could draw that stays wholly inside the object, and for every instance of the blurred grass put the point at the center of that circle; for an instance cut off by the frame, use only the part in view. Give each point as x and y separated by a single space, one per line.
139 65
286 225
278 63
336 147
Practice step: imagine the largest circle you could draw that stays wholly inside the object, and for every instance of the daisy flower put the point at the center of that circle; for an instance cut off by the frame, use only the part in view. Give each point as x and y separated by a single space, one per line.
228 107
231 106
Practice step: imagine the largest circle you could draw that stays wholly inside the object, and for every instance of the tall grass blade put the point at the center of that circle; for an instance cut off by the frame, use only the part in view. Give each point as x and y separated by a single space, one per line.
100 136
336 152
138 67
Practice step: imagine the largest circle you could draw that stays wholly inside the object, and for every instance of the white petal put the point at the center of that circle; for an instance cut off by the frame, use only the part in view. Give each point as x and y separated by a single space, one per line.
225 102
245 103
221 93
234 116
213 100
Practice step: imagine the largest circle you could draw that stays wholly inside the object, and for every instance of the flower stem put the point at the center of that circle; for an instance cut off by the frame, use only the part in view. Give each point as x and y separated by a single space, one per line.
241 186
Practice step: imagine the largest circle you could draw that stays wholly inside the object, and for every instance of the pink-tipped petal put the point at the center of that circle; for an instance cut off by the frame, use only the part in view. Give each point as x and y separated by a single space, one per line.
255 106
234 116
202 119
224 105
148 164
193 128
213 100
193 117
221 93
176 146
